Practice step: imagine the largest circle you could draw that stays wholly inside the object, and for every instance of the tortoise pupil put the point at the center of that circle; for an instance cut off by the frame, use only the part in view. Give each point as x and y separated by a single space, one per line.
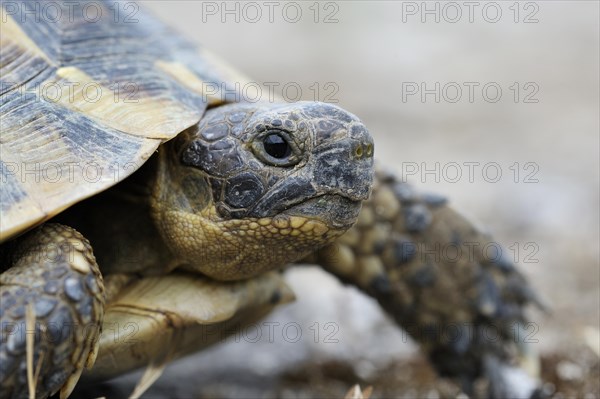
276 146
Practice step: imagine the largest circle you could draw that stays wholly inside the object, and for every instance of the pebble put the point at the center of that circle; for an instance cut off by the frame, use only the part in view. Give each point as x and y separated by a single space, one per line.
570 371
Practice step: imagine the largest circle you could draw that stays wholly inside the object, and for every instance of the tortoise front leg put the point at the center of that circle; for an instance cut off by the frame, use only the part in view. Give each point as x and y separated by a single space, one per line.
444 281
160 318
51 308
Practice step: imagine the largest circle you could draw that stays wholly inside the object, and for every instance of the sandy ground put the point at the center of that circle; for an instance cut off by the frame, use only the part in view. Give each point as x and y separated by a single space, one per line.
368 61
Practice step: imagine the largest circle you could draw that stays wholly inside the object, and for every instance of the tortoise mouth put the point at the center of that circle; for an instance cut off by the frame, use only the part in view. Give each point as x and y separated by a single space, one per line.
335 210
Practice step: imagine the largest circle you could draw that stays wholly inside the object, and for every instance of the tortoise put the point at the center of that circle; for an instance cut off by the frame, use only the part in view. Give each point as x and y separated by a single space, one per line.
139 195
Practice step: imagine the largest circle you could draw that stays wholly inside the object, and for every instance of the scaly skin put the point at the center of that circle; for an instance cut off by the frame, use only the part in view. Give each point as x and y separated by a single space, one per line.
214 202
259 202
429 269
249 189
190 209
55 276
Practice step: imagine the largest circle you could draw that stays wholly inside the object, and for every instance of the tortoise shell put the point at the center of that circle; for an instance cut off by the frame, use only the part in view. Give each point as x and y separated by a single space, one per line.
86 98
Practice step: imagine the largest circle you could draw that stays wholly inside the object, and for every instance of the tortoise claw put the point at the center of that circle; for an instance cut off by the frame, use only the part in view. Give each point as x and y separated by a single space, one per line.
356 393
51 311
70 384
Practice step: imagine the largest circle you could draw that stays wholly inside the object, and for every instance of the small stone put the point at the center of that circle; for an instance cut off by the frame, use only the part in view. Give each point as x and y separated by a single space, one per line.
567 370
365 369
432 394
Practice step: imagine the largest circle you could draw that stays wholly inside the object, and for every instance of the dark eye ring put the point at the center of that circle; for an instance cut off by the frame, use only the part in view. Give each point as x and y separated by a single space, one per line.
276 145
277 148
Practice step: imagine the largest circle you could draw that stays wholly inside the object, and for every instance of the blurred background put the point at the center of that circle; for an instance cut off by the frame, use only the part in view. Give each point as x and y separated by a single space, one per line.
510 87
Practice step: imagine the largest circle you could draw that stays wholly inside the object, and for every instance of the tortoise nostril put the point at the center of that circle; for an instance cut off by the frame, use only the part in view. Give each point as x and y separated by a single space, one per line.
363 150
359 151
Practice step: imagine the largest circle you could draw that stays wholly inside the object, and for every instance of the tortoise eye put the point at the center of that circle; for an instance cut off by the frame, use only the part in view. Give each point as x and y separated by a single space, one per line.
276 146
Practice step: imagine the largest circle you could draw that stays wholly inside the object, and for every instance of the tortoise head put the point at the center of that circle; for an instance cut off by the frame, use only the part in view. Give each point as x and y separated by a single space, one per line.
253 187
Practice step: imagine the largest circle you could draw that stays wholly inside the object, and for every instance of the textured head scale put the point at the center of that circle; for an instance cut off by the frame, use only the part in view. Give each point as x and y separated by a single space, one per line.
317 150
288 178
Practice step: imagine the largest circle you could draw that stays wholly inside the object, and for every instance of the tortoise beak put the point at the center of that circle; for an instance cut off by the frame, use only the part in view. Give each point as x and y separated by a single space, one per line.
336 211
332 189
345 168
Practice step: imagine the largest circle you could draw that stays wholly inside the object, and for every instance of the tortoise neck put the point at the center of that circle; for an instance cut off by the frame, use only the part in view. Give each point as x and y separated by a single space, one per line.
118 224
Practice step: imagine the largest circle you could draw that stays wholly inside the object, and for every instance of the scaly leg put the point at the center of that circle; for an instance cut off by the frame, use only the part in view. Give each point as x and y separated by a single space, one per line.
52 300
443 280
